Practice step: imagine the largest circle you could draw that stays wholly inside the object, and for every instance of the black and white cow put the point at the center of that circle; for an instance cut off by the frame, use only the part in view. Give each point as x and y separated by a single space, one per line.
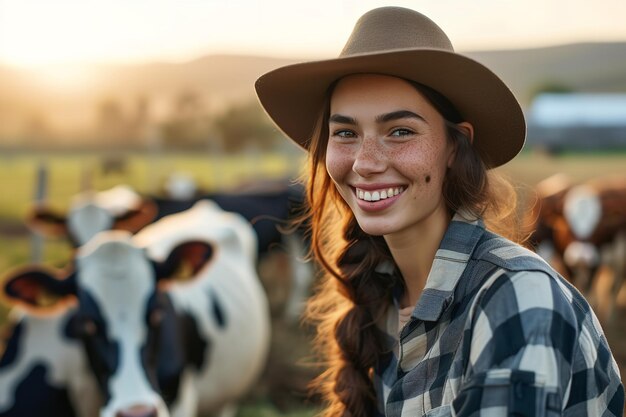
91 212
270 207
170 321
44 370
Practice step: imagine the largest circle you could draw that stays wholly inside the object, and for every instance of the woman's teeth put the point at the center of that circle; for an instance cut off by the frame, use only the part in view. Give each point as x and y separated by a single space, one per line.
378 194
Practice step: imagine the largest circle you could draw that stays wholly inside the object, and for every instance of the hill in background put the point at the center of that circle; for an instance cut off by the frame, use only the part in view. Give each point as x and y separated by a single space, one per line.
589 67
212 84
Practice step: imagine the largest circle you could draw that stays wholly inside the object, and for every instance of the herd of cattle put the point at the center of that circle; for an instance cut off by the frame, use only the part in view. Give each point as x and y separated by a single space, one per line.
161 311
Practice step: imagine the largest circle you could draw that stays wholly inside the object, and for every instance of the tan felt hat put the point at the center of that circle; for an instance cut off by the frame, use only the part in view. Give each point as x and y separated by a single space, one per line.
404 43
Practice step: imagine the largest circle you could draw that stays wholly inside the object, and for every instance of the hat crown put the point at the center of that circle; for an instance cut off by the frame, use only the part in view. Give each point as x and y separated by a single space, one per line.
391 28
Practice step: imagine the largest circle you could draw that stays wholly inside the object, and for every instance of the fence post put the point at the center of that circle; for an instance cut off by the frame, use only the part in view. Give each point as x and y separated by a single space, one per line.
41 184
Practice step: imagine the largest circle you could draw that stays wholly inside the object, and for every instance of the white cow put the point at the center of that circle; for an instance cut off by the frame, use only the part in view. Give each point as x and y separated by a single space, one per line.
91 212
44 371
173 320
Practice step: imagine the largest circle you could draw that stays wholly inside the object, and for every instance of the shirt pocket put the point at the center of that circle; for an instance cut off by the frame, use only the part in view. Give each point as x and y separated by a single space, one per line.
443 411
507 392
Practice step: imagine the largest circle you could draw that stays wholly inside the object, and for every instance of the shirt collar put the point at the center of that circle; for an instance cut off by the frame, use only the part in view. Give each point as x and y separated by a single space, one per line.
455 250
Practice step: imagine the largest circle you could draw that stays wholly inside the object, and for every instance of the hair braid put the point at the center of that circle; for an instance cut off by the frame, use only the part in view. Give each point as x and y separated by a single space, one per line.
356 339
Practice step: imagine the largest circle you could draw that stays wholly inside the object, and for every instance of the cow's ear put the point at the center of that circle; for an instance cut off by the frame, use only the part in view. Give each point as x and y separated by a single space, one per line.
135 219
39 289
47 222
185 261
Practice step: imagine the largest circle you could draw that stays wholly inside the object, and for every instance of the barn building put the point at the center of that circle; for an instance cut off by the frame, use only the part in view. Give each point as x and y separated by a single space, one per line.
577 122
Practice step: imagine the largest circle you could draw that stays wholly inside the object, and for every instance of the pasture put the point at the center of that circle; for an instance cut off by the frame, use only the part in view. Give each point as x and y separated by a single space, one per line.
69 173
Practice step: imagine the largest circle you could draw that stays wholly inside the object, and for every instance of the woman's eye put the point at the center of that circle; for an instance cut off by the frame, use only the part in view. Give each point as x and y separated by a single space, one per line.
344 134
401 132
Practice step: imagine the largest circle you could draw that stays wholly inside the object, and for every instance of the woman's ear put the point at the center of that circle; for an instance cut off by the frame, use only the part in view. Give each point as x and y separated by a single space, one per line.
468 129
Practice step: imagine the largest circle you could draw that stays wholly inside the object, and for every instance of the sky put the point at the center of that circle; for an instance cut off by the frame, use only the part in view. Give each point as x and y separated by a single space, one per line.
40 33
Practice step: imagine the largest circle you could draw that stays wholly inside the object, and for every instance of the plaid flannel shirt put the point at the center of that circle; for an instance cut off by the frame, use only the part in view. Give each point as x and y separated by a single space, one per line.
496 332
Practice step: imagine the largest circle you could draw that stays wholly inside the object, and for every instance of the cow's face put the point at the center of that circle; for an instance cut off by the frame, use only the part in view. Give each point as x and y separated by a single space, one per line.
93 212
116 283
137 345
582 210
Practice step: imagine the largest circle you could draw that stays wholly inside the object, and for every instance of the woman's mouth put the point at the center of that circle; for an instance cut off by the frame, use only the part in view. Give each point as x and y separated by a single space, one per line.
377 195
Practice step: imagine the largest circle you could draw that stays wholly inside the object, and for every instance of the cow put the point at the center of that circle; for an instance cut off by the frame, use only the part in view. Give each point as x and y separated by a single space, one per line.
43 370
91 212
268 206
171 321
585 227
545 216
595 212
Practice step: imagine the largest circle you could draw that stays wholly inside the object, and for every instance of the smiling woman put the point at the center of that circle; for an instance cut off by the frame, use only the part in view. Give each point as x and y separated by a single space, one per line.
425 310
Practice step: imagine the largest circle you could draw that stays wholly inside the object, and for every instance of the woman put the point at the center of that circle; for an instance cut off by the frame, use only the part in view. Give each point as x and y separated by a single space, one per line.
424 309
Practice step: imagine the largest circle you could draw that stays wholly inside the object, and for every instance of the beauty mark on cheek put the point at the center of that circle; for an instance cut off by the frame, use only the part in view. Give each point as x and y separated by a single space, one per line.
427 179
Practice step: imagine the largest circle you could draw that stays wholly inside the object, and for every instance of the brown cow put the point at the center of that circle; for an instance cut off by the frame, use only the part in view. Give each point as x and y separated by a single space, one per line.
585 228
545 216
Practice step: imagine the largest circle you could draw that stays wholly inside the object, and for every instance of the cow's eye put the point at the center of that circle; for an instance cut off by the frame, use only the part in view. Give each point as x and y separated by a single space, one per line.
86 328
156 317
90 328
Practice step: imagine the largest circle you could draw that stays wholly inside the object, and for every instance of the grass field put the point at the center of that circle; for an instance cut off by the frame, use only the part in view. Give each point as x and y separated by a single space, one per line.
530 168
69 173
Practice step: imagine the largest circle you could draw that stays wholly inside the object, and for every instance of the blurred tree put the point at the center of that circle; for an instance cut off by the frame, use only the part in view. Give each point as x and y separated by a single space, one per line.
112 126
188 126
245 124
139 119
189 103
186 134
551 87
37 130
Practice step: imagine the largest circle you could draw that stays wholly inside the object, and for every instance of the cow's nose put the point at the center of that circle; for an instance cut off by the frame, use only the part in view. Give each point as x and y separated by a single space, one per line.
138 411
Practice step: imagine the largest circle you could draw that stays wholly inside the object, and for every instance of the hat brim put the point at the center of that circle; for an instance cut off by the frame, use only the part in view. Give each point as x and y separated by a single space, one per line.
293 95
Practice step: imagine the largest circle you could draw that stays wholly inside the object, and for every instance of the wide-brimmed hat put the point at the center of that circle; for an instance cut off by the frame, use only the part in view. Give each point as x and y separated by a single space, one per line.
403 43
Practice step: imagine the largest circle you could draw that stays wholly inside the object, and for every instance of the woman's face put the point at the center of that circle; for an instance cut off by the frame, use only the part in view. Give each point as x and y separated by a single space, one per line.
387 153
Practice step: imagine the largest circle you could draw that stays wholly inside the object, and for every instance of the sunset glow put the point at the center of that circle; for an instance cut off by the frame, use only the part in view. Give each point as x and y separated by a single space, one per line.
36 33
66 78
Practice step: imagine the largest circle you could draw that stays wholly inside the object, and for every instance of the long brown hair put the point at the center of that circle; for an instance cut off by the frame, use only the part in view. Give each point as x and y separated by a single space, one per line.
352 297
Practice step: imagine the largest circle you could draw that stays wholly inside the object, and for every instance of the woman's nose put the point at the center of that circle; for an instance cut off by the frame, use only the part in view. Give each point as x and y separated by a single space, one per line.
370 159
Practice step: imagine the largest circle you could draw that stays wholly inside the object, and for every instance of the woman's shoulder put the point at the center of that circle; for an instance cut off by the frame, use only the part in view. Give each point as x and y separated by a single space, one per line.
539 301
509 255
528 289
522 287
528 275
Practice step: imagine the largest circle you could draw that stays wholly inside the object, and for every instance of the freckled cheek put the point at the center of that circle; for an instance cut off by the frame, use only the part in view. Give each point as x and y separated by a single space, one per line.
418 165
338 164
339 167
